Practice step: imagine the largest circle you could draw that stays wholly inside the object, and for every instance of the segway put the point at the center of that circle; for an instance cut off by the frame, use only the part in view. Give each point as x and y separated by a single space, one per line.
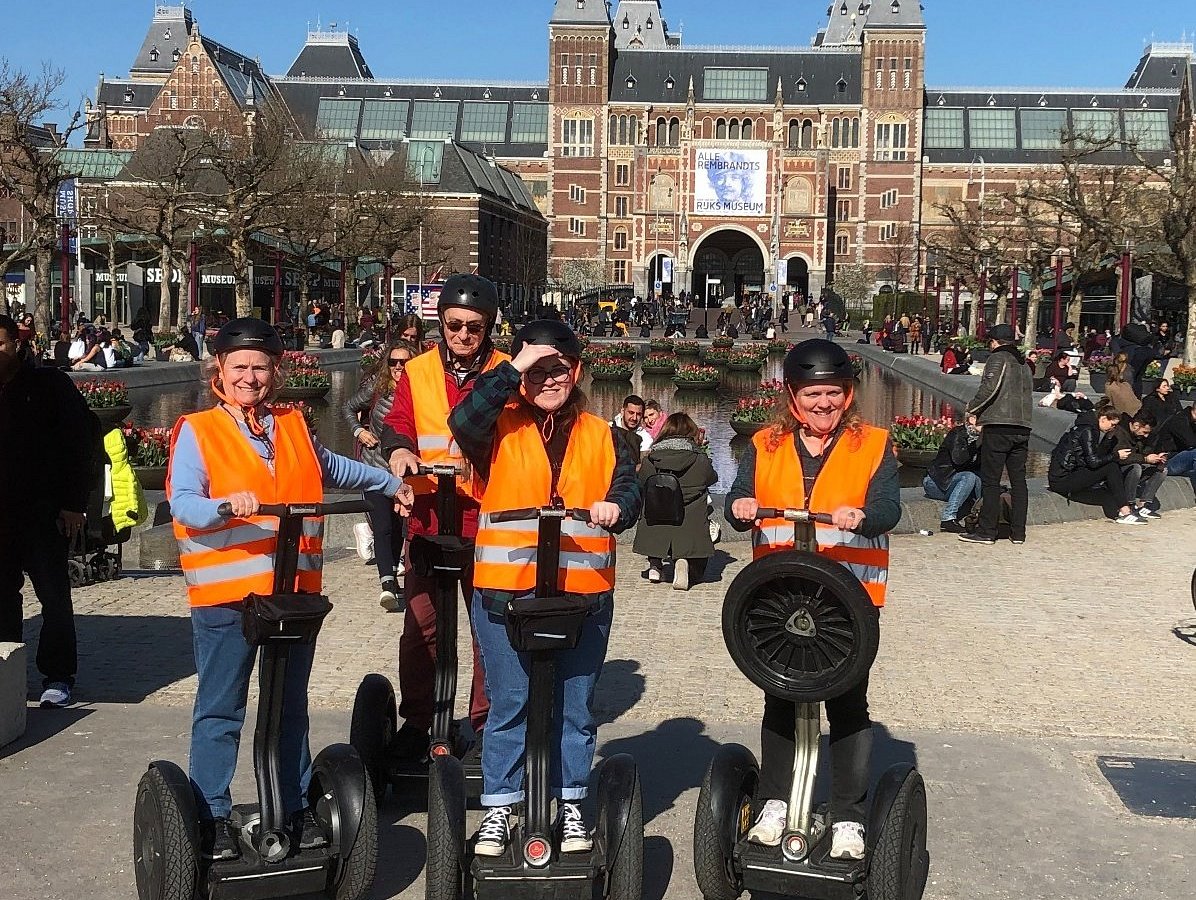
532 864
444 556
166 845
802 628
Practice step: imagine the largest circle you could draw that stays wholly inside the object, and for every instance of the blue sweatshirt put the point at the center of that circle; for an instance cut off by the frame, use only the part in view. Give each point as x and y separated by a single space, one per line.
189 482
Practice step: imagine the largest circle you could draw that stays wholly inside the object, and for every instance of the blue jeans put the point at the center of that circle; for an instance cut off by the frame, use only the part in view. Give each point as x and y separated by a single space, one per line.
224 662
574 730
962 486
1182 463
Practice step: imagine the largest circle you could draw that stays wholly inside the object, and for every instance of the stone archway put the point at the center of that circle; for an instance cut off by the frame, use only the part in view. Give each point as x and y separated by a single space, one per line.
735 261
799 275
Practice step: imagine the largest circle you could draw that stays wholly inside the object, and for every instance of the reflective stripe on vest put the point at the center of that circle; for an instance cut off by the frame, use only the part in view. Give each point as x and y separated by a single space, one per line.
226 563
429 400
842 481
505 552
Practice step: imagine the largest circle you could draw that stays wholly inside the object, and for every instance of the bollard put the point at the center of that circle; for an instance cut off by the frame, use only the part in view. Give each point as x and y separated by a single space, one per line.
13 689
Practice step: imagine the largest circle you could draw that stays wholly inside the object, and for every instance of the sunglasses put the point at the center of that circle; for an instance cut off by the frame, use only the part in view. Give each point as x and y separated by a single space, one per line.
392 362
540 376
474 328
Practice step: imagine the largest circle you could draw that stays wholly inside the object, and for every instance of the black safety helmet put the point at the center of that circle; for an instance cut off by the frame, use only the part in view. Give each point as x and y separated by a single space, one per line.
817 360
469 292
247 334
550 333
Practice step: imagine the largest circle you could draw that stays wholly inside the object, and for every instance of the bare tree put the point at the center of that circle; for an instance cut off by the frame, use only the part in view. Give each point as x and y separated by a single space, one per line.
31 172
855 285
899 256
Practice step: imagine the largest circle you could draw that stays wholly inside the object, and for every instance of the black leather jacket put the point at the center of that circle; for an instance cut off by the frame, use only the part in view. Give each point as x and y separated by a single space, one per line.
1082 447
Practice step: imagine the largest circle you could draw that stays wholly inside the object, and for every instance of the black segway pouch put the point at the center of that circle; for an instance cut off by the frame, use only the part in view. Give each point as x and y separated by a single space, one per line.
546 623
440 554
283 618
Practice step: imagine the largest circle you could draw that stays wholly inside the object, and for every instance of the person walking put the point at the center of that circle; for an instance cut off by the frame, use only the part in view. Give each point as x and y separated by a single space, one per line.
416 431
366 413
915 335
676 452
244 452
1004 405
50 460
819 454
525 430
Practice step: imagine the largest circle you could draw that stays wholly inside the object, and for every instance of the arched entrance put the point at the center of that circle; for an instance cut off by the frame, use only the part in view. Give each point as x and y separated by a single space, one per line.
731 264
799 277
656 272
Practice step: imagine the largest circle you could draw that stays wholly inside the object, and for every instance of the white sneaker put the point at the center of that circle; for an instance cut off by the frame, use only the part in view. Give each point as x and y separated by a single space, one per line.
1145 512
770 824
574 836
56 694
654 575
847 840
1129 519
681 575
363 535
494 832
391 597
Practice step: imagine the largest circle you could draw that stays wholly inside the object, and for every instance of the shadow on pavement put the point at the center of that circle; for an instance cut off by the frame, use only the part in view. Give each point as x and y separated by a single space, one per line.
43 724
159 647
716 565
671 758
402 851
658 867
620 688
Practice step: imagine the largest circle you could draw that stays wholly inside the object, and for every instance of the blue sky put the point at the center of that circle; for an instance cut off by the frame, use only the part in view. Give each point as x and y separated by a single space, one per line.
1079 43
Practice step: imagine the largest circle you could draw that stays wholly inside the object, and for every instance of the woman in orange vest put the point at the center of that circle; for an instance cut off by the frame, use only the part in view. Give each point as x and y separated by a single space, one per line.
525 430
820 455
244 452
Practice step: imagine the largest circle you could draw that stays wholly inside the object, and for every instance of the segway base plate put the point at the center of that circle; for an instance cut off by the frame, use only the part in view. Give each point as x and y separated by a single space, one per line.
818 876
248 878
569 876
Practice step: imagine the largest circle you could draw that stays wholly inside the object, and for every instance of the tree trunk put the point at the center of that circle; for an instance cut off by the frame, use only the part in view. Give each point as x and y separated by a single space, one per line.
1002 308
3 288
43 314
973 315
1074 306
240 260
112 274
1190 337
352 311
1032 306
304 289
166 290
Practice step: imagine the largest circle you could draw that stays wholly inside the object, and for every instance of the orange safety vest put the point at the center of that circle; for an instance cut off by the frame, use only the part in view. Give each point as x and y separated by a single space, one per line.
842 481
429 399
235 559
520 476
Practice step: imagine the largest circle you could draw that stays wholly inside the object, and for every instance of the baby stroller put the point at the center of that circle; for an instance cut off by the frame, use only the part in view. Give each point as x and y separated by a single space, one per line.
96 553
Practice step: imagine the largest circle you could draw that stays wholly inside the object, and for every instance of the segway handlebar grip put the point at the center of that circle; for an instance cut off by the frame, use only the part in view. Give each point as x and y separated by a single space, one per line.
441 470
793 515
282 510
537 512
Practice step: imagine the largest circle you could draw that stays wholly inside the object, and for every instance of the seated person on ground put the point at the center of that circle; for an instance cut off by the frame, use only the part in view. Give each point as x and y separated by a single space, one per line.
1145 467
1162 403
954 475
1087 456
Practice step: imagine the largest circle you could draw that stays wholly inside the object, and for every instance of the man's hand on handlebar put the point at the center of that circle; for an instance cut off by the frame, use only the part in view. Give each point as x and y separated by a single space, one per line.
403 463
745 509
604 514
244 503
847 518
404 500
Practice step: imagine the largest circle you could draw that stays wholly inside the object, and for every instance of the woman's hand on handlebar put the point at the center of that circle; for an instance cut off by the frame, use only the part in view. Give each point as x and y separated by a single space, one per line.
745 509
847 518
604 514
404 500
244 503
403 463
367 438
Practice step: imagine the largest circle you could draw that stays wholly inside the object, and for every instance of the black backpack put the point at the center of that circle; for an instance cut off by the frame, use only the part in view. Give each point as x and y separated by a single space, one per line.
663 501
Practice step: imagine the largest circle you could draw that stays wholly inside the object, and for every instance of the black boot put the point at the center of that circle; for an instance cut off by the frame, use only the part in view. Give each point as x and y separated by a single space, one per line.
307 830
219 840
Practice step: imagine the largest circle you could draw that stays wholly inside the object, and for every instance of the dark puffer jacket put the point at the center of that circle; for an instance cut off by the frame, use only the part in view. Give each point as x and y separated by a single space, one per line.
362 412
1082 447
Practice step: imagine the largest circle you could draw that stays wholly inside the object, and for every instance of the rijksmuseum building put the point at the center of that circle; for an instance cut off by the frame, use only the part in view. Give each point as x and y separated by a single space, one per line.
706 169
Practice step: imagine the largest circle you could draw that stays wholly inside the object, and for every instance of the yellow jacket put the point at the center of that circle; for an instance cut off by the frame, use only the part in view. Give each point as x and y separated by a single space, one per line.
127 499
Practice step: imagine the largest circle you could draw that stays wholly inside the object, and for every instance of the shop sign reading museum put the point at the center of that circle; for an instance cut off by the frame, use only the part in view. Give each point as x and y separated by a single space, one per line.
730 182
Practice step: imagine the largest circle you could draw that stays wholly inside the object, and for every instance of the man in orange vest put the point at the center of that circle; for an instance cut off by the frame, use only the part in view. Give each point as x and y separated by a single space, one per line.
417 431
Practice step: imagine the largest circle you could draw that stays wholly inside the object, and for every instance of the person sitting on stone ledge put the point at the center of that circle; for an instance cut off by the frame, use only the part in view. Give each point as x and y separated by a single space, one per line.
1145 467
1162 403
1086 456
954 475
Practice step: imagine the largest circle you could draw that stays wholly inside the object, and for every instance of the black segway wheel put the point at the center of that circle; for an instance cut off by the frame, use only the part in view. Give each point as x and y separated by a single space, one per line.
1194 588
446 829
343 800
724 815
373 727
627 868
79 573
800 627
900 862
165 835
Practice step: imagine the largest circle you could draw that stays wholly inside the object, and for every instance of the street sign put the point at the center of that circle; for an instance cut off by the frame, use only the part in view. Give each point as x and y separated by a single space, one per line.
772 288
67 201
74 246
659 286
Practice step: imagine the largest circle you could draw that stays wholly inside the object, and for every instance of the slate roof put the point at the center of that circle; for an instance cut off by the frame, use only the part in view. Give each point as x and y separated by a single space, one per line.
330 54
849 18
821 70
242 75
640 23
580 12
1049 98
1162 66
302 96
123 94
453 168
169 32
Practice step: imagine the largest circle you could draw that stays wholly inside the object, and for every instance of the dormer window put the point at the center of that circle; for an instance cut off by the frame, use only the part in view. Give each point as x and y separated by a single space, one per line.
669 83
842 85
128 95
626 22
153 54
581 4
896 7
843 8
630 82
648 24
166 35
801 85
177 55
486 94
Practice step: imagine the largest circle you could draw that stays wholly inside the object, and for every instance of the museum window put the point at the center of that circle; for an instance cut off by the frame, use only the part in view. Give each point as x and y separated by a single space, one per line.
620 271
735 84
892 141
620 239
733 130
484 122
944 129
1148 129
577 194
1042 129
747 129
577 226
720 129
620 207
992 129
842 210
577 137
529 123
612 131
1096 125
674 132
844 180
807 134
909 72
434 119
841 245
888 199
855 133
622 175
794 138
195 65
880 74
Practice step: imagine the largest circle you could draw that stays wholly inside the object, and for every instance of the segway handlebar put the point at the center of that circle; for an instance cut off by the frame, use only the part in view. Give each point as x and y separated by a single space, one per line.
282 510
540 512
441 470
793 515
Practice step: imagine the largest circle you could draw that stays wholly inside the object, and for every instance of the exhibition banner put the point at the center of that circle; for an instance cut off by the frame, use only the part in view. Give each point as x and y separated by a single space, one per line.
730 182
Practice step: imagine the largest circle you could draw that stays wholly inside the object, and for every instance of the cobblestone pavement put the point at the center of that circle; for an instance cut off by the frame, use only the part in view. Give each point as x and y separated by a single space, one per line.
1083 631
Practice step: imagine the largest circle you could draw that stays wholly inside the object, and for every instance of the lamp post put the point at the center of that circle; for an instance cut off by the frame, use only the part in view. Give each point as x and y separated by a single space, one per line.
66 277
1058 259
192 275
981 324
1013 285
955 308
277 286
1127 273
419 312
938 300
